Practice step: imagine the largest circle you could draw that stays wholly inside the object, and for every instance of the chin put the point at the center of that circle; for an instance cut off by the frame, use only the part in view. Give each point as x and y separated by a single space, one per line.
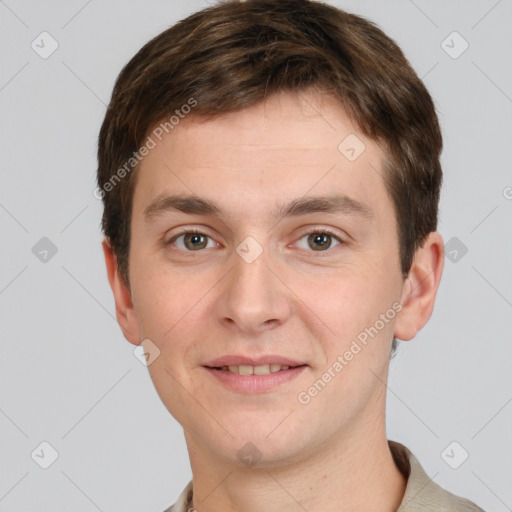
259 445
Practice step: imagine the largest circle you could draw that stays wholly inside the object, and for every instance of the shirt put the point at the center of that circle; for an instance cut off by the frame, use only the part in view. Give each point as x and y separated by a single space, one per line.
421 493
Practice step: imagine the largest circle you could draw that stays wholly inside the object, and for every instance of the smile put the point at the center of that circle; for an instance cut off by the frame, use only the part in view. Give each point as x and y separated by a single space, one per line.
264 369
246 379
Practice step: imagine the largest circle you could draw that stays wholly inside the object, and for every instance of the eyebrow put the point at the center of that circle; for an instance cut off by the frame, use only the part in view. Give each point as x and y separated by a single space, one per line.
195 205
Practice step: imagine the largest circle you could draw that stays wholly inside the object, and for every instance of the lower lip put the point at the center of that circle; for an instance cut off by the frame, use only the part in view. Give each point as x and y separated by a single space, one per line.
255 383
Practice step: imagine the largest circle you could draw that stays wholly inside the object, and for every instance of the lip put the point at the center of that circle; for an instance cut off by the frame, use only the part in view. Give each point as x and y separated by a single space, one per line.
255 383
234 360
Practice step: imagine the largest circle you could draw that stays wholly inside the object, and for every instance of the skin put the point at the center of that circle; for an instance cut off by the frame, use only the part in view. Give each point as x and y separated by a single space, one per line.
306 304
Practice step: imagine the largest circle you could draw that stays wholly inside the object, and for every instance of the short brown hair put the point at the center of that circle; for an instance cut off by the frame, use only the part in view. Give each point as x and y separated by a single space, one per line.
234 55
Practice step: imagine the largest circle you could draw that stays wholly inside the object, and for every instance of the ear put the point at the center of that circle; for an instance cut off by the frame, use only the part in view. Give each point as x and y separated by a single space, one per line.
420 287
125 312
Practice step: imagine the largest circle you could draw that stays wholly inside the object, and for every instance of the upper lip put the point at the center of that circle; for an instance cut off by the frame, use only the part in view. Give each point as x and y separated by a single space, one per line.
234 360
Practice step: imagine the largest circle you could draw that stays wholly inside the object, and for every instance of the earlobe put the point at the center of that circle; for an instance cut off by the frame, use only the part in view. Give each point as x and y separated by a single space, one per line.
125 312
420 287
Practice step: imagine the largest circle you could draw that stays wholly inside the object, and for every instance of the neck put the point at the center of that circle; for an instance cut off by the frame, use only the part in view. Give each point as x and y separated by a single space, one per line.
354 472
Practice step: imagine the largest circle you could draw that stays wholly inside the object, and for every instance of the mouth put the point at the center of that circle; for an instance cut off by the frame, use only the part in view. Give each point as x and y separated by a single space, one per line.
245 369
255 373
249 379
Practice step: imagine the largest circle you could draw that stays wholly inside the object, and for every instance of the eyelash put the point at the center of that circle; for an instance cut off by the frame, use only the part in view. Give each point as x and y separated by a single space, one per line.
314 254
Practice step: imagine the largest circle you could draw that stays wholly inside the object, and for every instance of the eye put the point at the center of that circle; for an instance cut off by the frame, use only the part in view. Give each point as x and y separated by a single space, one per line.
319 240
191 240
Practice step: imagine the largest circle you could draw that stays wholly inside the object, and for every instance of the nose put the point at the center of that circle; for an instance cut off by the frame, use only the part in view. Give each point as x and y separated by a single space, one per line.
253 297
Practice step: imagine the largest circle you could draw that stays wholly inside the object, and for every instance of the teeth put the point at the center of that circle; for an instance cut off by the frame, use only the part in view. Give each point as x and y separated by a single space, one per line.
245 369
264 369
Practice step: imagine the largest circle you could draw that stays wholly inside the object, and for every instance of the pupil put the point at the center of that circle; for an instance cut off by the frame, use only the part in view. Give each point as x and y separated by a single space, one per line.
194 241
319 241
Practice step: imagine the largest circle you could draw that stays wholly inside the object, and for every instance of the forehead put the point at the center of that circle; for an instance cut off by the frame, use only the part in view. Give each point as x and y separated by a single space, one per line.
298 125
274 152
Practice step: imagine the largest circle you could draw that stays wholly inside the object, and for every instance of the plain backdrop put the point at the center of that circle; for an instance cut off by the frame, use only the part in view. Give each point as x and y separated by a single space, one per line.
68 378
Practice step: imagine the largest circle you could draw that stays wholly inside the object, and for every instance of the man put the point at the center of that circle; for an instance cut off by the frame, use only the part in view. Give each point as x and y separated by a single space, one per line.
270 176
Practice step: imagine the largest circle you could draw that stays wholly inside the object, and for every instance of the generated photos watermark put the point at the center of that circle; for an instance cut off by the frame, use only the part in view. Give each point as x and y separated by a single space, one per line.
304 397
152 140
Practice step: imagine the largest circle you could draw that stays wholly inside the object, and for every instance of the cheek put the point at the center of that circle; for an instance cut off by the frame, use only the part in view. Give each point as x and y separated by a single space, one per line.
171 313
158 300
172 308
349 298
356 307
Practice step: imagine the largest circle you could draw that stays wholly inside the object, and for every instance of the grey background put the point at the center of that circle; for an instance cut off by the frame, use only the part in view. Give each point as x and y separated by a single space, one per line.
67 375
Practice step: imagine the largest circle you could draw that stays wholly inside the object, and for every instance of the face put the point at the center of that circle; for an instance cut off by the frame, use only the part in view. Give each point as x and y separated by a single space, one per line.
277 244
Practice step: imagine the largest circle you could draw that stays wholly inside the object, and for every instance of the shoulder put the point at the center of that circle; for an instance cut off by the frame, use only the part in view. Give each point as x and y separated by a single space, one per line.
183 500
422 493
